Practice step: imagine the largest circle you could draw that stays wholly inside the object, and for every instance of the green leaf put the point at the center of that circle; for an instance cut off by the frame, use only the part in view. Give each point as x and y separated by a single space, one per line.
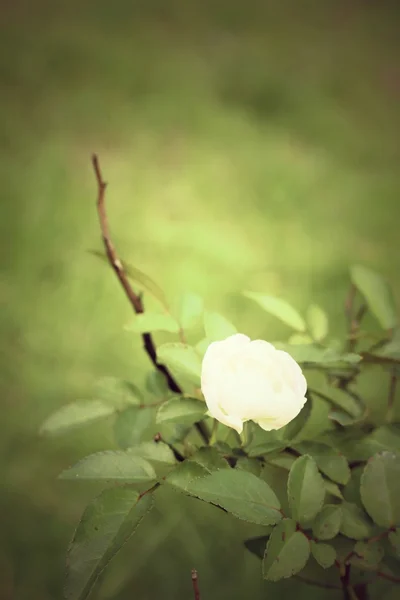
317 320
300 339
148 321
394 539
306 490
329 461
107 523
377 295
190 311
185 410
310 354
380 489
181 477
75 415
252 465
201 346
332 489
355 524
209 459
217 327
287 552
156 383
154 451
324 554
117 392
279 308
264 442
131 425
295 427
140 279
112 465
241 493
257 545
182 358
327 523
367 555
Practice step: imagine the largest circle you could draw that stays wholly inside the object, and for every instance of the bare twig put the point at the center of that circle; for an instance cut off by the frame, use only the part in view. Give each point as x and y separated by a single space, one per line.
391 395
134 299
388 576
195 583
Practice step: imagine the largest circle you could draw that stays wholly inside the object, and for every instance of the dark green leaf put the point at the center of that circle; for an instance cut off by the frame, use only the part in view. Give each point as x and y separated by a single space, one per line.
295 427
217 327
107 523
131 425
241 493
257 545
185 410
210 459
306 490
252 465
287 552
324 554
380 489
154 451
181 477
317 320
76 415
377 295
355 524
327 523
394 539
329 461
148 321
367 555
112 466
279 308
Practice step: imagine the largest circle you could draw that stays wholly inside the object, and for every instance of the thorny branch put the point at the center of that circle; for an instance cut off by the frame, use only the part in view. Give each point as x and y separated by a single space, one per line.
134 299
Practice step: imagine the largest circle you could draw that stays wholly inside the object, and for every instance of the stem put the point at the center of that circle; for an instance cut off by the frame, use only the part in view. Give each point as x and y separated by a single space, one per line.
135 300
391 395
195 583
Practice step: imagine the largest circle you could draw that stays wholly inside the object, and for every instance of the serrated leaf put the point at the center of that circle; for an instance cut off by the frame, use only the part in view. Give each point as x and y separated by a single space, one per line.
367 554
380 489
112 465
182 358
107 523
327 523
148 321
210 459
154 451
75 415
332 489
377 295
329 461
355 524
324 554
252 465
317 320
287 552
181 477
241 493
117 392
191 310
279 308
306 490
257 545
185 410
131 425
217 327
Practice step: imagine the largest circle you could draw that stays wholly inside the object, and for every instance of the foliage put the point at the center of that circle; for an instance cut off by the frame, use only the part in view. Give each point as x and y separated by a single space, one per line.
341 506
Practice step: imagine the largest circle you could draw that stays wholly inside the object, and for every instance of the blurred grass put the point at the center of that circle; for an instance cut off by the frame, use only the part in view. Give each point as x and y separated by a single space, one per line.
246 146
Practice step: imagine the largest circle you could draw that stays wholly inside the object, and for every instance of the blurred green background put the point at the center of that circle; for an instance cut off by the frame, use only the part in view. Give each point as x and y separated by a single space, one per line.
247 145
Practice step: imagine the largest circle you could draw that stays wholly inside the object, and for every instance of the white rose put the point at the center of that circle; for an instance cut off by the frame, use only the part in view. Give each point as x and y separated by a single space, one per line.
244 380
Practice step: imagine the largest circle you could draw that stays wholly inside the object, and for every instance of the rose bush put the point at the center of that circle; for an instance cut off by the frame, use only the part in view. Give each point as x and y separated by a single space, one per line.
245 380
